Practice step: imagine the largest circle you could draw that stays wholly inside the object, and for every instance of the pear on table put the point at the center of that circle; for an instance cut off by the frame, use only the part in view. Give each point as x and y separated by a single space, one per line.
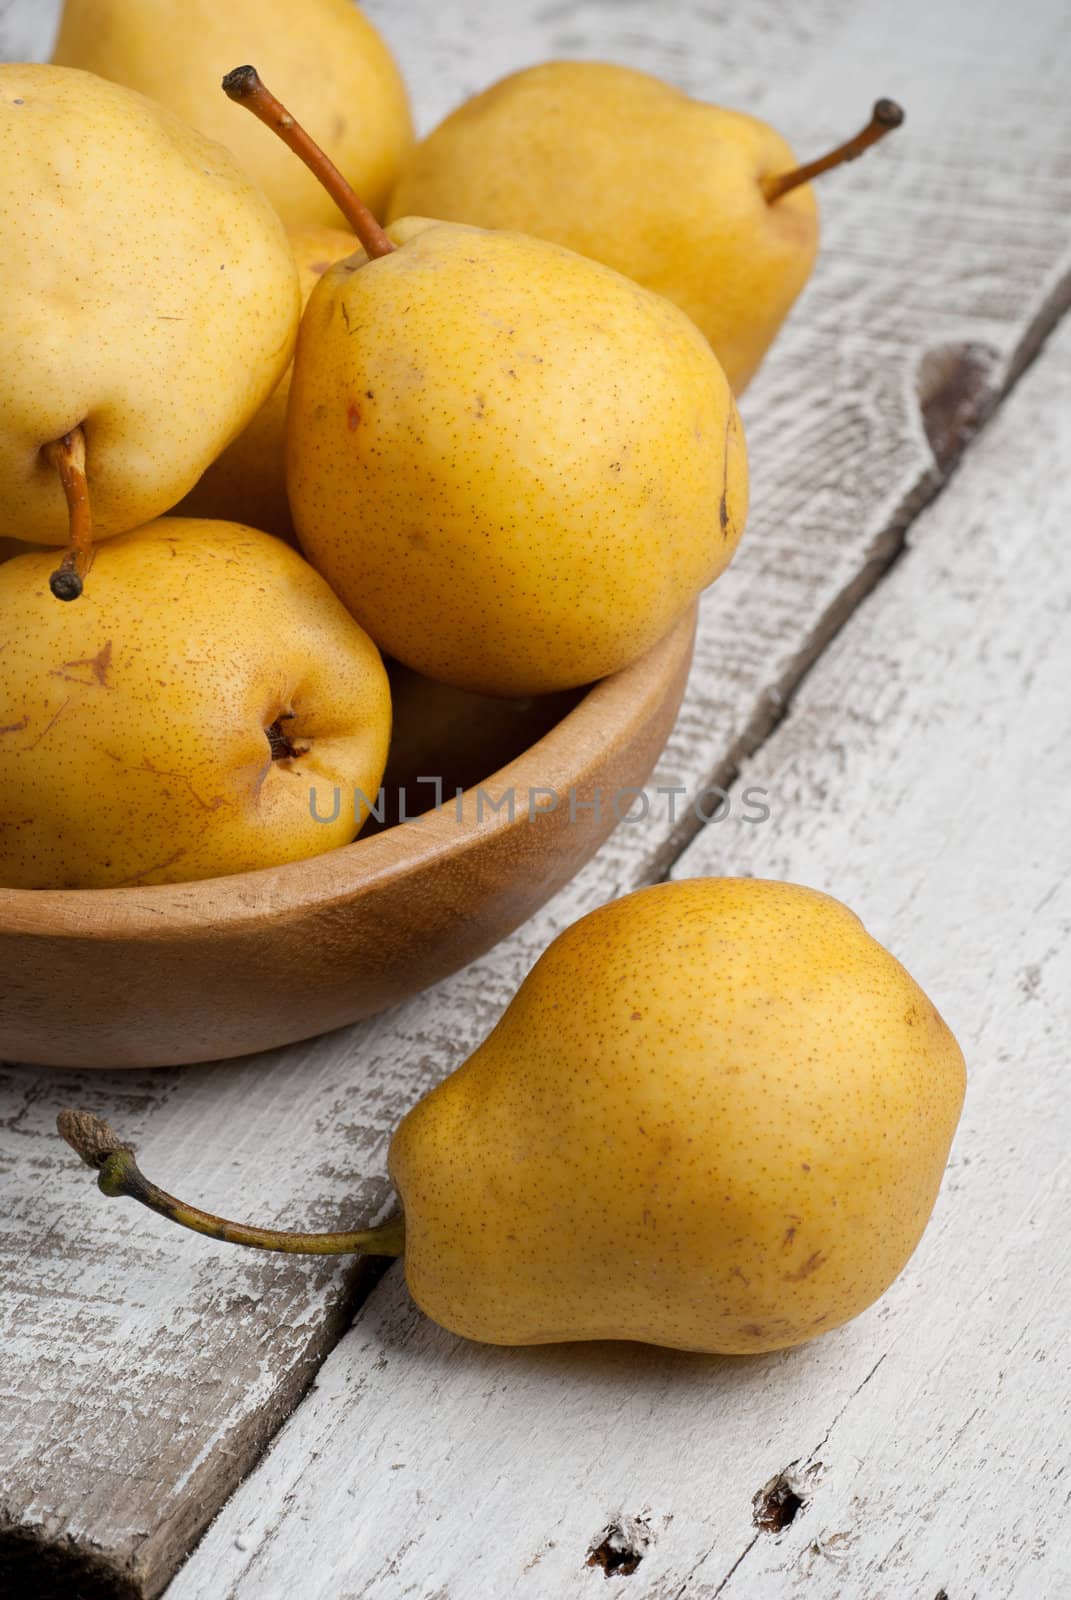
247 483
715 1116
325 52
143 744
516 467
151 304
707 206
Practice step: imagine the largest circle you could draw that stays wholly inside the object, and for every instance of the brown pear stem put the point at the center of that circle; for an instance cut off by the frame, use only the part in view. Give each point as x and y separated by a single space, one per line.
68 457
118 1173
243 85
886 116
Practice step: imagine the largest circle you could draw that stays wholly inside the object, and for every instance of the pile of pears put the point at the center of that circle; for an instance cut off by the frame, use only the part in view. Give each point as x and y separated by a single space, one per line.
253 440
278 408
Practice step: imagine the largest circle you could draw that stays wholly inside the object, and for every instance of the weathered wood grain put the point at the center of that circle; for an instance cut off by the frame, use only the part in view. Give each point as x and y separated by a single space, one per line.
923 777
140 1372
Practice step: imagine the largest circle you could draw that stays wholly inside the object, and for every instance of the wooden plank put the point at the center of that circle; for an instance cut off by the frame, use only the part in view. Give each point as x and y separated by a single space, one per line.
134 1411
27 28
922 777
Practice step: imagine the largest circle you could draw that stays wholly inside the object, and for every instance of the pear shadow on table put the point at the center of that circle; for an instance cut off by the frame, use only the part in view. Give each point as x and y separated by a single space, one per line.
617 1400
397 1325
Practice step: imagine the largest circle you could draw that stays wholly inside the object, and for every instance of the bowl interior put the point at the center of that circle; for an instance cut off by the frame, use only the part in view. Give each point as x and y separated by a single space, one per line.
458 738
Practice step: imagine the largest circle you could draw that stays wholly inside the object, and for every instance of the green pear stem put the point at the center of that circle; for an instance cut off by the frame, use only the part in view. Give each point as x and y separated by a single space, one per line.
119 1174
244 87
68 457
886 116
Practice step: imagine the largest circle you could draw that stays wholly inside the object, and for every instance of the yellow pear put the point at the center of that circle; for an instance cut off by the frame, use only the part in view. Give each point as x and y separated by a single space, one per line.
715 1116
618 165
324 52
516 467
150 301
247 483
186 719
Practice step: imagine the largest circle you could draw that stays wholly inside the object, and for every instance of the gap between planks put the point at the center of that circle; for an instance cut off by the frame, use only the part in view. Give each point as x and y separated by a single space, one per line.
962 405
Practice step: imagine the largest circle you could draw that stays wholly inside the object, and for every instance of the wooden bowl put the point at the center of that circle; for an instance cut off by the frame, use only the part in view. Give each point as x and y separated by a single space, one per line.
225 966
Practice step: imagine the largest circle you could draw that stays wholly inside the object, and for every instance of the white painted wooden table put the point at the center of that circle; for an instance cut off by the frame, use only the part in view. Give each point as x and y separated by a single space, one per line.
895 673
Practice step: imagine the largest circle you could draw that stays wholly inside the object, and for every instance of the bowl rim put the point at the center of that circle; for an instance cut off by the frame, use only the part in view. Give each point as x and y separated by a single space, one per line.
601 719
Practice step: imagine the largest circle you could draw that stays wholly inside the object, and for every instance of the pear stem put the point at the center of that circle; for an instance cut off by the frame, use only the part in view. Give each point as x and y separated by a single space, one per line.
68 457
886 116
244 87
118 1174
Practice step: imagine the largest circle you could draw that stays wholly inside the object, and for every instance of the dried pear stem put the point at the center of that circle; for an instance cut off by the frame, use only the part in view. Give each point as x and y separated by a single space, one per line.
243 85
68 456
885 116
118 1173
